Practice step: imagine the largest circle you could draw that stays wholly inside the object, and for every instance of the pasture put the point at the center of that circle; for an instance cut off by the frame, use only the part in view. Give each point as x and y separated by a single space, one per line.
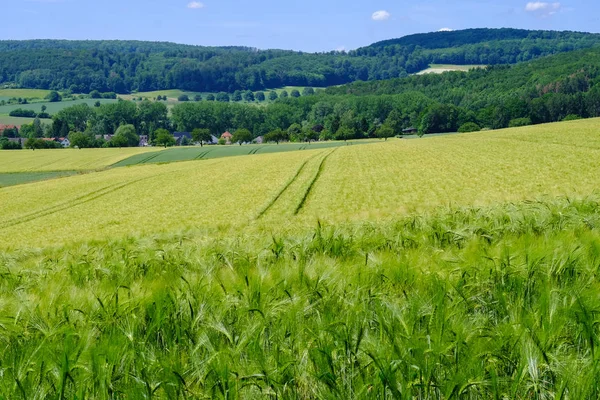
6 94
53 108
347 184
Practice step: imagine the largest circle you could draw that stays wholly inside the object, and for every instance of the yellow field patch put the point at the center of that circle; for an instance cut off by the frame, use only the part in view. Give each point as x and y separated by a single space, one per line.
65 159
275 191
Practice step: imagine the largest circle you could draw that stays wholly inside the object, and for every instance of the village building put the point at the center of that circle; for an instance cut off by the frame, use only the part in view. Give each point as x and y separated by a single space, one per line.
182 138
65 142
227 137
144 141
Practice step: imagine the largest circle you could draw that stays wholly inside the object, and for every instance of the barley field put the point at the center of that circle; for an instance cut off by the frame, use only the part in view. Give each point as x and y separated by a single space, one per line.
371 182
450 267
65 159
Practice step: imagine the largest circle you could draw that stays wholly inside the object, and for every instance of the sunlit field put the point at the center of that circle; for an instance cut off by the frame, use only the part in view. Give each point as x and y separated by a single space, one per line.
459 266
370 182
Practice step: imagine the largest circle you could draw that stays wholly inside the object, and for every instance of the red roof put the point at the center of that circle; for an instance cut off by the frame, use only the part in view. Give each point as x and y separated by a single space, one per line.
227 135
3 127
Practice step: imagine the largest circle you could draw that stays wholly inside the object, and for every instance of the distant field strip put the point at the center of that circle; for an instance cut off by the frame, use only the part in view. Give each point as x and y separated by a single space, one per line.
210 152
17 178
65 159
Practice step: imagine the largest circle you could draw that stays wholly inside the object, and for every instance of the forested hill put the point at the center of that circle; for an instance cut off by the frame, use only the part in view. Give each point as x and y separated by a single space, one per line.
124 66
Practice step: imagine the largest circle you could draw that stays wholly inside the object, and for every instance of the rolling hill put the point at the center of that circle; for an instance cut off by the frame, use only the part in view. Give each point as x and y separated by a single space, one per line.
125 66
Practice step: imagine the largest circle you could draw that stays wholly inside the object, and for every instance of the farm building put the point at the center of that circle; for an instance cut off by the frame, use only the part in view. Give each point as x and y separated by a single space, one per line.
4 127
65 142
410 131
143 141
259 140
227 136
182 138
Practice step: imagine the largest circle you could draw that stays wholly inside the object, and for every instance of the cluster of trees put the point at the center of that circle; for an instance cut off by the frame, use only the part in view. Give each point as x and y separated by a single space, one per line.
125 66
23 113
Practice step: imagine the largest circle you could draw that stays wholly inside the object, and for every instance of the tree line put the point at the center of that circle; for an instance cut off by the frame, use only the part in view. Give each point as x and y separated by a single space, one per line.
562 87
126 66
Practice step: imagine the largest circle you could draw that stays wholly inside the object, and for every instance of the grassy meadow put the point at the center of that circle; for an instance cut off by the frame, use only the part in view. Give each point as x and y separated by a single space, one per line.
459 266
6 94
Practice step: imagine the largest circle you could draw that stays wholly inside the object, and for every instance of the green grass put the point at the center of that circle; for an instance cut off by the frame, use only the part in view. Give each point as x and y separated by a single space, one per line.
18 178
7 120
6 94
488 303
52 108
210 152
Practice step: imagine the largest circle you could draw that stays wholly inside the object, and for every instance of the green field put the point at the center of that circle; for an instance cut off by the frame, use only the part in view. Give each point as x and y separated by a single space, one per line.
18 178
52 108
6 94
210 152
461 266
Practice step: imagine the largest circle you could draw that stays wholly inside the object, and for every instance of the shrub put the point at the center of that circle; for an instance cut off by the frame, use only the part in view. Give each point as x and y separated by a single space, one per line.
183 97
469 127
515 123
571 117
19 112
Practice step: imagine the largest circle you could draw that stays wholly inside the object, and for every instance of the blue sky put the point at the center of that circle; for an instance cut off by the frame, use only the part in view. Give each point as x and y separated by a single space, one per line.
308 25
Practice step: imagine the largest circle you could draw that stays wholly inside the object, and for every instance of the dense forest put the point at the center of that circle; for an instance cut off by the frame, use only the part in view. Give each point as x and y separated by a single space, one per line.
125 66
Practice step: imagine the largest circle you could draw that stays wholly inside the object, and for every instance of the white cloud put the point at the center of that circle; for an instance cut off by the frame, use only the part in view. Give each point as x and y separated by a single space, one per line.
543 8
195 5
446 30
381 15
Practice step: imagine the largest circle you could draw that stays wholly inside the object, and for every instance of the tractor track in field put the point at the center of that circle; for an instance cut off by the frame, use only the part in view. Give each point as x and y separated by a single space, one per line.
69 204
312 183
153 156
255 150
203 154
285 187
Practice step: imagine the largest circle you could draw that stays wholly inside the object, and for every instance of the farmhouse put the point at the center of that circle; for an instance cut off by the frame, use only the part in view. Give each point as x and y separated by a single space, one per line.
182 138
65 142
227 136
4 127
143 141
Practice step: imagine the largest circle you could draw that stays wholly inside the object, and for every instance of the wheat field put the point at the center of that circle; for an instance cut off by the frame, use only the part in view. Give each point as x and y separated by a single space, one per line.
371 182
